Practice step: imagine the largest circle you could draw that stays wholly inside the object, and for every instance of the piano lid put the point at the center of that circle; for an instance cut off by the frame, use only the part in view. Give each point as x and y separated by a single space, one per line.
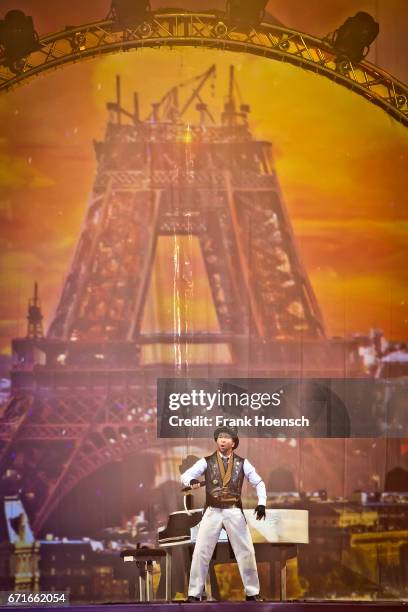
283 526
179 525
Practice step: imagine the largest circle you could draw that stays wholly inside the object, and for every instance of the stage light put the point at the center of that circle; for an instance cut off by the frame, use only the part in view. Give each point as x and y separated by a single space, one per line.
246 12
130 12
352 40
18 38
401 101
343 66
78 42
145 29
220 29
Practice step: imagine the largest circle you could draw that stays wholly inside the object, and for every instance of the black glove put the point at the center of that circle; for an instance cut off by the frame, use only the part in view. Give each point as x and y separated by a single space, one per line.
194 481
260 512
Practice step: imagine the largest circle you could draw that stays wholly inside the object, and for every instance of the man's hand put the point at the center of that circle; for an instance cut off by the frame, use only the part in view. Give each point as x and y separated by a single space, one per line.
194 483
260 512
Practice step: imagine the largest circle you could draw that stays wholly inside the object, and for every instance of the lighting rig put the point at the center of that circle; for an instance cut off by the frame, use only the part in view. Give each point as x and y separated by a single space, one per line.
127 13
352 40
18 39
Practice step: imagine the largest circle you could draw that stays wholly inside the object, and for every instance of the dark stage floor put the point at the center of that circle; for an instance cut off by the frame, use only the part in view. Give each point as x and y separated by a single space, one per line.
229 606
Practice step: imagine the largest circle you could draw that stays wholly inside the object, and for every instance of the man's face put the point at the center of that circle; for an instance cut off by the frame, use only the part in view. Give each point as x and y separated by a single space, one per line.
225 443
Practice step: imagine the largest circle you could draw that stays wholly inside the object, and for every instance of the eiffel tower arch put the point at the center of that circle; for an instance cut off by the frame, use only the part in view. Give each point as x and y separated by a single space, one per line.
194 207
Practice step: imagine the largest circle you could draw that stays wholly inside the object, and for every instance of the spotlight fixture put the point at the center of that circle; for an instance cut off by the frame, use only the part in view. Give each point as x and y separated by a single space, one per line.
343 65
145 29
220 29
284 45
78 42
18 38
352 40
402 101
127 13
246 12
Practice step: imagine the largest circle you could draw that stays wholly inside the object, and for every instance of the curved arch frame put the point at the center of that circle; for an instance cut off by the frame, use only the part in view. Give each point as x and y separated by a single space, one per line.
83 469
213 32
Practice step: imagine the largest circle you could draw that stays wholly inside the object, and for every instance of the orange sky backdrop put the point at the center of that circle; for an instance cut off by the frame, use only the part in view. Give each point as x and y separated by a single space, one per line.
341 162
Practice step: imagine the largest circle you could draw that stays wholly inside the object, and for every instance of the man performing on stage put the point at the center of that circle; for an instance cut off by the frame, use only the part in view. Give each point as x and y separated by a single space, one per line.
224 475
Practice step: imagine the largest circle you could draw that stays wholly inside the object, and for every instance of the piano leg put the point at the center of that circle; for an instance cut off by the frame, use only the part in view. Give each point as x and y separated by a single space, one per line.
208 586
279 579
143 580
147 586
149 581
283 582
275 579
142 589
168 575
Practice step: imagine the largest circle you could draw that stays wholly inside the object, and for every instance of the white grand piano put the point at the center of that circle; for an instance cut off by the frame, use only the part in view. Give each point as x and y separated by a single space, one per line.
275 540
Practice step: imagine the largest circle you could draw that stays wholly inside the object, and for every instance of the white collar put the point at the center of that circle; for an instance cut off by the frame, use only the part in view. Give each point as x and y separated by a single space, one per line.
225 456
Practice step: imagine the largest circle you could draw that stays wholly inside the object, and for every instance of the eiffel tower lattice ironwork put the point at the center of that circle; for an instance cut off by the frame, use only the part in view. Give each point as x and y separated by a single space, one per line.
85 395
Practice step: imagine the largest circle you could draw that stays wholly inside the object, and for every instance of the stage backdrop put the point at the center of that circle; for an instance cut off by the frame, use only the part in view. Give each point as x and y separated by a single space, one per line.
134 286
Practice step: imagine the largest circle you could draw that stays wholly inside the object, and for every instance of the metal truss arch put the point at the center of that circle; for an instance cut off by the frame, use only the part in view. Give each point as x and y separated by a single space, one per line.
90 460
51 442
213 31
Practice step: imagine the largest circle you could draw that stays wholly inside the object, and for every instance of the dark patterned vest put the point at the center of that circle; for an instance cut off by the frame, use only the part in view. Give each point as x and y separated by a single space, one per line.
213 484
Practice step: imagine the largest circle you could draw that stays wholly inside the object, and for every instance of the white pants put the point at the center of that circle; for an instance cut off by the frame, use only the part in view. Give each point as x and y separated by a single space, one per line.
241 542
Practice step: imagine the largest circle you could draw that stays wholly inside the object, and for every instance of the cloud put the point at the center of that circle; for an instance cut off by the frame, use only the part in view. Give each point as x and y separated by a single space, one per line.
312 227
18 172
7 323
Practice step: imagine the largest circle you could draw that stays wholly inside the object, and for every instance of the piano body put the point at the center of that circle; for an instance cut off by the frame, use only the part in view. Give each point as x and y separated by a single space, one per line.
275 540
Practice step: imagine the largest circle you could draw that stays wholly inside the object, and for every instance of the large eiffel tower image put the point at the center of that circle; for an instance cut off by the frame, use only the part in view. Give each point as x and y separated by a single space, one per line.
192 208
